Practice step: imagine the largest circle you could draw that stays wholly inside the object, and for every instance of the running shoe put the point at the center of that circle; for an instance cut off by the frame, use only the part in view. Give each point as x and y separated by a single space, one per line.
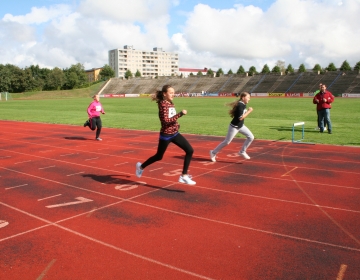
98 139
139 171
185 179
212 156
244 154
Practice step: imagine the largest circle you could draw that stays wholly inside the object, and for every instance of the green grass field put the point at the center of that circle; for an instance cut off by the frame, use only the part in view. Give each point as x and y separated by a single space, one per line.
271 119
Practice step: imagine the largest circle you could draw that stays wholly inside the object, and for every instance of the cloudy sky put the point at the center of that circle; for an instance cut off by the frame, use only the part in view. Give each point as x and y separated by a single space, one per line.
205 33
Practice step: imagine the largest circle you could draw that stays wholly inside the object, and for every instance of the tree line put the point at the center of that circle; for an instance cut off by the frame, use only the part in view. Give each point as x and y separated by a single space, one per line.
280 68
14 79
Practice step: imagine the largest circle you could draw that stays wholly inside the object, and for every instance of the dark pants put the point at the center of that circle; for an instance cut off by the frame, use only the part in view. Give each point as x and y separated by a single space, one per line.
95 123
179 141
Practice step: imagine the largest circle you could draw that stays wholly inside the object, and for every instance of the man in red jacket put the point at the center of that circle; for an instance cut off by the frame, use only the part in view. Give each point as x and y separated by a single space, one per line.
323 100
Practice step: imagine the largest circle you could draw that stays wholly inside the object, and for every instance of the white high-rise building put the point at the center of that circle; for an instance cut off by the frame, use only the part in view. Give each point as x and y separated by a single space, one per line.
149 63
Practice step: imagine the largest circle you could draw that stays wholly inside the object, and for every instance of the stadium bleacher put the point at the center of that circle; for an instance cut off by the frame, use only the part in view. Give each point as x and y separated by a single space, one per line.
337 82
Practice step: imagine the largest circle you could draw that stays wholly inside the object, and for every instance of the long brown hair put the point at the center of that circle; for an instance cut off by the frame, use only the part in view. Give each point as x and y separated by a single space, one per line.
235 103
159 95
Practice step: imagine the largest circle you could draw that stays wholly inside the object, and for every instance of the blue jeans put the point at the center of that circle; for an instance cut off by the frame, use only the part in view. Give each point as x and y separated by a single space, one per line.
324 117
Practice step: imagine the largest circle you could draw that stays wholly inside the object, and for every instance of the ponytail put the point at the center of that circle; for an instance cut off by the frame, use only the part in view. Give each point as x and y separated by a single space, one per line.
235 103
159 95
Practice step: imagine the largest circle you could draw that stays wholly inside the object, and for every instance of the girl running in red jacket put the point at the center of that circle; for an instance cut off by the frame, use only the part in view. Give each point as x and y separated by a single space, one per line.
169 133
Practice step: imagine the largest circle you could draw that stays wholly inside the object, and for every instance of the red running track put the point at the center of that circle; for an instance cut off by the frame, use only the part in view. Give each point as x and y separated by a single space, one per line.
72 208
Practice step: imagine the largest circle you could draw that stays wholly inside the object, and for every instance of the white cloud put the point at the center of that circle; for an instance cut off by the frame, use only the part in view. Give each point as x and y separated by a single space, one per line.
296 31
38 15
322 31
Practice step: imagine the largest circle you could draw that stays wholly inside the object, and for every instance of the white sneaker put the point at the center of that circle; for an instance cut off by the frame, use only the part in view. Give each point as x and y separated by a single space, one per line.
139 171
325 128
244 154
185 179
98 139
317 128
212 156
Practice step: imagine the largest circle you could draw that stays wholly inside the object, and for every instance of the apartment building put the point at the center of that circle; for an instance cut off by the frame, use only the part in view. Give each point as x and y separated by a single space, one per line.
150 63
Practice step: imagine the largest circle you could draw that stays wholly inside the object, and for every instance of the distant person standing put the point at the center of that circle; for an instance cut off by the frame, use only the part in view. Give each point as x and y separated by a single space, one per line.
169 133
238 112
317 112
94 121
323 101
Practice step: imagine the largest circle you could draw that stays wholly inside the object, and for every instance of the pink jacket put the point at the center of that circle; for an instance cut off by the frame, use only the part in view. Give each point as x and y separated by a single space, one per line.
327 95
94 109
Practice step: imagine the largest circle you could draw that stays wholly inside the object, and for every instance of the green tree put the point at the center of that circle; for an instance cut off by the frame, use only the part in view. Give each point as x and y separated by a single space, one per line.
199 73
317 68
345 66
128 74
289 69
138 74
302 68
276 69
5 78
55 80
230 72
106 73
265 69
252 71
219 72
357 66
75 77
210 72
331 67
241 70
191 74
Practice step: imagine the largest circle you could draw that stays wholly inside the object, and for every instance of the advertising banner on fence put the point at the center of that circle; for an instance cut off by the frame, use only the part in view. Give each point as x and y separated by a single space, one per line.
276 94
351 95
294 94
260 94
112 95
226 94
132 95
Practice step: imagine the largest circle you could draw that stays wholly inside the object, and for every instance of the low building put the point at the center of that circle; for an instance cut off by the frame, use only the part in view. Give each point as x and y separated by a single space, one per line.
93 74
187 71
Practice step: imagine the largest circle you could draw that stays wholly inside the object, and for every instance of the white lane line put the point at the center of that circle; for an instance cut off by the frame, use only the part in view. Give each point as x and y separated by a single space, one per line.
46 151
286 174
16 187
49 223
128 152
69 154
341 273
42 275
75 173
92 158
120 163
47 167
22 161
49 197
5 157
155 169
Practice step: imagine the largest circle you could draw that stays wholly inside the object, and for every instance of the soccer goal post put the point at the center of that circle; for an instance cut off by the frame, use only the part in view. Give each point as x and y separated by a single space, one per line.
5 96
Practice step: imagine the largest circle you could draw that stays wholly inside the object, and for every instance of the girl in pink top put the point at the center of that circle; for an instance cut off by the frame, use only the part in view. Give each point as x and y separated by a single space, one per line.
94 122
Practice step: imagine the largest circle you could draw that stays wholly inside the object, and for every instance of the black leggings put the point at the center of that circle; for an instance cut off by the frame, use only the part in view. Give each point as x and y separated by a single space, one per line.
179 141
96 123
